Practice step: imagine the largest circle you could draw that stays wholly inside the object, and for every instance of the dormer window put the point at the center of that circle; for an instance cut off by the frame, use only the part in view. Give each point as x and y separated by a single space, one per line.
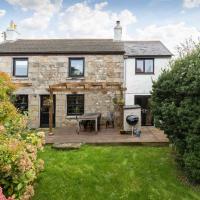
20 67
76 67
144 66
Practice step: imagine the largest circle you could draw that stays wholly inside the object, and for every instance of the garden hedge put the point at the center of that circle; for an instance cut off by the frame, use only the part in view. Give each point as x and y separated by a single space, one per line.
175 105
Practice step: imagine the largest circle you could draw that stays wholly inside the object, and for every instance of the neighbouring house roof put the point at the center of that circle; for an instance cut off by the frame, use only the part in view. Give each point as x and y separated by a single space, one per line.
62 46
146 48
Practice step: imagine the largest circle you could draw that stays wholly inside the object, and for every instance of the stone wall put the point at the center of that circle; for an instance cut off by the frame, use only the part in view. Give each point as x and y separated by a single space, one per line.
47 70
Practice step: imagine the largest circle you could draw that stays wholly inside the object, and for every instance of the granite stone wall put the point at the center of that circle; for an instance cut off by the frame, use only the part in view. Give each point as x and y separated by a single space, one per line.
47 70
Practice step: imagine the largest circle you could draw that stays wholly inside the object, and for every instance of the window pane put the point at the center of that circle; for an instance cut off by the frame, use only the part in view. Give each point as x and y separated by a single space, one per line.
139 66
21 67
75 104
21 103
149 65
76 67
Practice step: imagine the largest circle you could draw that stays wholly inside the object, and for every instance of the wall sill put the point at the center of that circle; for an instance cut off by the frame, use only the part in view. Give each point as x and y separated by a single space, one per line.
20 79
70 117
74 79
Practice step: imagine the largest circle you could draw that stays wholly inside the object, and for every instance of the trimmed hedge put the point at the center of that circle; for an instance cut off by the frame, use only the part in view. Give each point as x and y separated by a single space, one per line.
175 105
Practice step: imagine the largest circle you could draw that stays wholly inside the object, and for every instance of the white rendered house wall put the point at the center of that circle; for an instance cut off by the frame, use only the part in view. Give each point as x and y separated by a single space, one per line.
141 84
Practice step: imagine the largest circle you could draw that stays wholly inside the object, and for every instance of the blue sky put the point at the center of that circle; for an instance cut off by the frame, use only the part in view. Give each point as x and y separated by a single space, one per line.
171 21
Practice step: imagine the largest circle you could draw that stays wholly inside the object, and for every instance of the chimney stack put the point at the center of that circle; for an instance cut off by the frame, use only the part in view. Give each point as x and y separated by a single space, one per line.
11 33
118 31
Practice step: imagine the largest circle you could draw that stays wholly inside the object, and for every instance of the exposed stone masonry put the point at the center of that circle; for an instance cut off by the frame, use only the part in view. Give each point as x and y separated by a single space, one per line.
47 70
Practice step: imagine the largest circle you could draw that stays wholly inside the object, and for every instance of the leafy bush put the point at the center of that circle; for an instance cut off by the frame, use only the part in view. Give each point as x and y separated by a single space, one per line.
2 197
19 165
6 86
176 107
13 121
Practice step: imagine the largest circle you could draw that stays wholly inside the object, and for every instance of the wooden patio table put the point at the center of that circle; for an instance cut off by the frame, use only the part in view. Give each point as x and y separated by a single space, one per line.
89 117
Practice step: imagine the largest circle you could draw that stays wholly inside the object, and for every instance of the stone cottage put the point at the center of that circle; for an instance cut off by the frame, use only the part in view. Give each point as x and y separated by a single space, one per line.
82 75
35 65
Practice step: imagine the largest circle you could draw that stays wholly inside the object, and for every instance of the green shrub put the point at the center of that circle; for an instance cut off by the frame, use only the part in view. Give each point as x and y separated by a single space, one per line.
19 165
176 107
13 121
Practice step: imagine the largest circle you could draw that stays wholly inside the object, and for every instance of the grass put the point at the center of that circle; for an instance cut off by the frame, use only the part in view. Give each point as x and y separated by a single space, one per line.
111 173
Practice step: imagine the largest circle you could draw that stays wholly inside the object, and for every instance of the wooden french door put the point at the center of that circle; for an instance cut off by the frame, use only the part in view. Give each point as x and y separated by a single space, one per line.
44 111
143 101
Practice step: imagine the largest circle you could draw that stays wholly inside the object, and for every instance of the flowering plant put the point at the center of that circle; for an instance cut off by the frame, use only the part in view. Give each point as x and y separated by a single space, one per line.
2 197
19 164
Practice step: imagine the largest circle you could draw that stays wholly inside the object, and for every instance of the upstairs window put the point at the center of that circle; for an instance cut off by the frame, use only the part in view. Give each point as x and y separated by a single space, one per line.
144 66
76 67
75 104
20 67
21 103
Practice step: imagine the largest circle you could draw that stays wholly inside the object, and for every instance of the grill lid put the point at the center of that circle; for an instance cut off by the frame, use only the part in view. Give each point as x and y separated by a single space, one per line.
132 120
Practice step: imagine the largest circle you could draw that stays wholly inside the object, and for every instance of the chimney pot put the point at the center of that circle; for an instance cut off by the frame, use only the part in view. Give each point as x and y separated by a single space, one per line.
11 32
118 31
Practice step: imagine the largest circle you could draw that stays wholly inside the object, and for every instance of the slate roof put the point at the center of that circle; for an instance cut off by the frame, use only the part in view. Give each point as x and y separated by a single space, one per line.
84 46
146 48
56 46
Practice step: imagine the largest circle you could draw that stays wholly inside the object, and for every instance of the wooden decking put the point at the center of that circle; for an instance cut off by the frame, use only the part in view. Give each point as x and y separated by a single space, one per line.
149 136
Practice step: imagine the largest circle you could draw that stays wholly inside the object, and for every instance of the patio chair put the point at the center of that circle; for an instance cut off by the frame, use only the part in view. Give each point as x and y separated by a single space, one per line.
110 120
83 125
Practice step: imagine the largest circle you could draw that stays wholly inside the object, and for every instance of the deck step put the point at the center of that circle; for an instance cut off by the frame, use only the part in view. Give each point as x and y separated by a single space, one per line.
67 146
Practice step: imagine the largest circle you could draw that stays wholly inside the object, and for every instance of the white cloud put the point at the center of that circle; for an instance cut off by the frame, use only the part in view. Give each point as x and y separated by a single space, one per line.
191 3
43 10
82 20
101 5
27 4
171 35
2 12
37 21
37 5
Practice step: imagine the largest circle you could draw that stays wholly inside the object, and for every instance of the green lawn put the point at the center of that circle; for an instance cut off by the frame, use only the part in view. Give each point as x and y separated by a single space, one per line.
115 173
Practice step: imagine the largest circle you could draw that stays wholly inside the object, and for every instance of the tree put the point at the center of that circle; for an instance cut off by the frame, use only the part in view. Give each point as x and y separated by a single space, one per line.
175 105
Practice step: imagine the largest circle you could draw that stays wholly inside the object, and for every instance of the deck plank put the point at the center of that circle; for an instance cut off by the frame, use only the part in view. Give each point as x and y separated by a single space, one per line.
150 135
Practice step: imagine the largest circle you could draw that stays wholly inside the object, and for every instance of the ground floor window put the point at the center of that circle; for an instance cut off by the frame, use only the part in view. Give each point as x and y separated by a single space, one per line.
21 103
75 104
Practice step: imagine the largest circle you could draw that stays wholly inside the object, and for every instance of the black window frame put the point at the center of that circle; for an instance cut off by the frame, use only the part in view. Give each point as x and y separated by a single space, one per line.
76 58
14 67
83 104
144 72
16 104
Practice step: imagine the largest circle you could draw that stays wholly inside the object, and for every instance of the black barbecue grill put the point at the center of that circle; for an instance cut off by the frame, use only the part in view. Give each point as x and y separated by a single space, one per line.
132 120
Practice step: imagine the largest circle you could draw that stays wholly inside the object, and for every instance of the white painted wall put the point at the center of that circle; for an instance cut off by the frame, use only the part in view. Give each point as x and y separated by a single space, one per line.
140 84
